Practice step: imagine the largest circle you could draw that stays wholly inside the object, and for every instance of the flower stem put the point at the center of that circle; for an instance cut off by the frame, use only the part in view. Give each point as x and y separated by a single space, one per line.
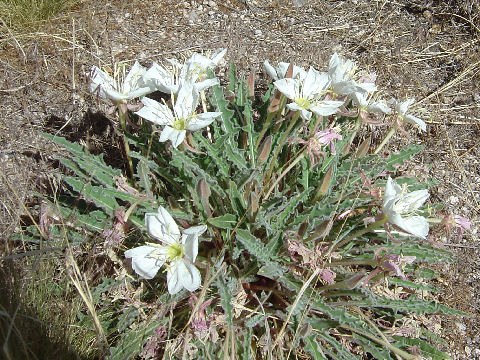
387 138
360 232
265 128
122 117
279 147
295 162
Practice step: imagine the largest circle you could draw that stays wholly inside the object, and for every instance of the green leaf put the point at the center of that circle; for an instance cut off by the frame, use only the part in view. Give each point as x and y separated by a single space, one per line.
226 299
313 348
131 342
227 221
143 172
253 245
425 348
93 193
93 165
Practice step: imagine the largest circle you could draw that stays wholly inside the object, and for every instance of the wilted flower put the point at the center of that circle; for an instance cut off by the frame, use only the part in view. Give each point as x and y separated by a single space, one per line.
395 263
120 88
341 73
305 94
458 222
182 118
280 71
177 250
401 206
318 141
401 110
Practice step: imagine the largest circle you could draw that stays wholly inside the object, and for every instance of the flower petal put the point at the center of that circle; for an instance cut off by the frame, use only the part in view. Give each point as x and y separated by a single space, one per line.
176 136
189 276
415 225
416 121
202 120
155 112
326 107
270 70
162 227
287 87
145 266
174 283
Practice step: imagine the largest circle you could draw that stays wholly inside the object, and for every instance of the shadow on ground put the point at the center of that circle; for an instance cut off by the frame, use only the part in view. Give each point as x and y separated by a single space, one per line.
22 334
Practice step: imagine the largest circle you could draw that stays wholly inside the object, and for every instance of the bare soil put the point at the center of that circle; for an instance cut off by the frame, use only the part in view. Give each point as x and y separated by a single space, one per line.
427 50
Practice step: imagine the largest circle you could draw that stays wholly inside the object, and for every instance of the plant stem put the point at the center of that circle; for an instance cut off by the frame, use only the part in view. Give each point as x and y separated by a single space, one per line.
389 346
387 138
295 162
121 116
265 128
279 147
357 234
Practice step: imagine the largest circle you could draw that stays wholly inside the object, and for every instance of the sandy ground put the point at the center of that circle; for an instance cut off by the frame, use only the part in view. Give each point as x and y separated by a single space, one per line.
418 49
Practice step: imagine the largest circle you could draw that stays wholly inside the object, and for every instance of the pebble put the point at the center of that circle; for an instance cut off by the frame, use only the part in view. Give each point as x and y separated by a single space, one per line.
258 33
453 199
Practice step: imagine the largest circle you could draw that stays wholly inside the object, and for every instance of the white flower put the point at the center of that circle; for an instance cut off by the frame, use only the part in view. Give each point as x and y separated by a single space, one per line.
400 206
401 109
341 73
120 88
281 70
305 94
170 81
182 118
177 250
365 103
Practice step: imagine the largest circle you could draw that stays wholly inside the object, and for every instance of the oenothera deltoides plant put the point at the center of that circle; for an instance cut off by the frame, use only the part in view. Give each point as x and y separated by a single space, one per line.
266 225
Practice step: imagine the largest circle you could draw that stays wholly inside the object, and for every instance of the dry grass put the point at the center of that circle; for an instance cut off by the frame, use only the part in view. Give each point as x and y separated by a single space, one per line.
427 51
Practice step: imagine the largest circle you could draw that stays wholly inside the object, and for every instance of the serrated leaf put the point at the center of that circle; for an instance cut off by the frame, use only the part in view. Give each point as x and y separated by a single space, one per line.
226 299
227 221
282 217
143 172
253 245
313 348
93 165
130 343
425 348
93 193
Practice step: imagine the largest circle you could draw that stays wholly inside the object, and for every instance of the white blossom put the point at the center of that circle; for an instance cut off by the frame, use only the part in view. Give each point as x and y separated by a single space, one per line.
401 206
401 109
182 118
120 88
193 71
341 73
280 71
305 94
177 250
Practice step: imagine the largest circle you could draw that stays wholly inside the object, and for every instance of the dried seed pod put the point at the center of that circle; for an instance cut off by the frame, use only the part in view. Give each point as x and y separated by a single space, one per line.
251 85
323 189
203 190
363 148
264 149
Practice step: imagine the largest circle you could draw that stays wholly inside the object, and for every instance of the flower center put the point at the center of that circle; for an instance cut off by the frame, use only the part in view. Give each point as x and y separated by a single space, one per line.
303 102
174 252
179 124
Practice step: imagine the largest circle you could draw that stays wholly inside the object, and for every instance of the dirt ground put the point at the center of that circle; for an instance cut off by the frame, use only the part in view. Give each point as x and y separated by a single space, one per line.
423 49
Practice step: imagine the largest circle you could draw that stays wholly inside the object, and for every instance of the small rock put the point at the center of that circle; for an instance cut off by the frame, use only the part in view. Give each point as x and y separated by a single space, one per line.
453 199
127 15
468 351
462 327
258 33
